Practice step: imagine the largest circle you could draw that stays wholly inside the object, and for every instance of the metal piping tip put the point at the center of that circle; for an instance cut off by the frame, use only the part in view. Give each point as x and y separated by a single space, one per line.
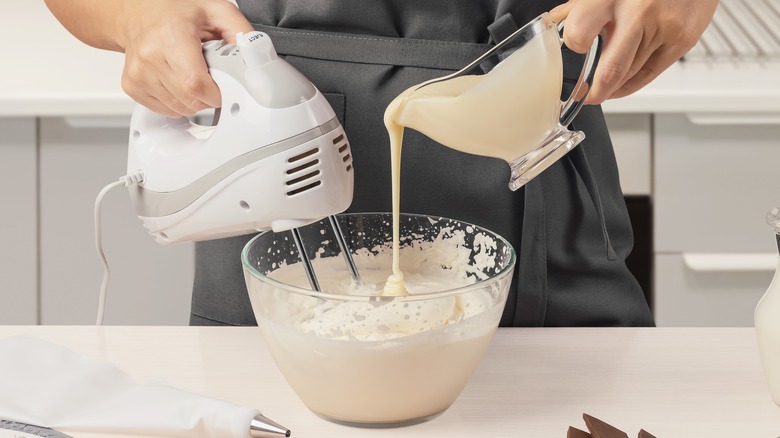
263 427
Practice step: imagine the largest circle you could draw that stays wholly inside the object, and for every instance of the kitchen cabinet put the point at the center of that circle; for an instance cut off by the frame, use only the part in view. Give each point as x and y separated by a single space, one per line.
715 179
694 291
631 139
18 226
53 168
150 285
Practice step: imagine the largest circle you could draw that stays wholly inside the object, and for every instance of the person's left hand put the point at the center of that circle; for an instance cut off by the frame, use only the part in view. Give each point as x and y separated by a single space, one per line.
643 38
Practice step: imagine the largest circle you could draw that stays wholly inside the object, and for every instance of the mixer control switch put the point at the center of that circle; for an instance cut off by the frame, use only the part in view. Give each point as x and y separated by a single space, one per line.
256 48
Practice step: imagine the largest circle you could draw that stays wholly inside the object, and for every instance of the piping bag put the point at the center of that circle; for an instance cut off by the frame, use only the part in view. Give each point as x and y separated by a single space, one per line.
47 385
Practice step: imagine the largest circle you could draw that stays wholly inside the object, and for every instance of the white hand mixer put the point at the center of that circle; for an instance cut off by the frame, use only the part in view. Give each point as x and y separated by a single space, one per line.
275 157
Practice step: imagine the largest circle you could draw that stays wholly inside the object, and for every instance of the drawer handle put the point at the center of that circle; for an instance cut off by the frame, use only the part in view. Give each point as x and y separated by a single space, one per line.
743 119
730 262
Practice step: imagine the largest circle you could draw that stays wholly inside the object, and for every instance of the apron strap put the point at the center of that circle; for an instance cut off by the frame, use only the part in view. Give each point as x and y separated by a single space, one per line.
531 306
370 49
501 28
579 160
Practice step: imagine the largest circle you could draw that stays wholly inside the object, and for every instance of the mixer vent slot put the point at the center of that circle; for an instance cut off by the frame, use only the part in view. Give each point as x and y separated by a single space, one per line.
303 166
343 145
303 172
304 188
303 178
300 157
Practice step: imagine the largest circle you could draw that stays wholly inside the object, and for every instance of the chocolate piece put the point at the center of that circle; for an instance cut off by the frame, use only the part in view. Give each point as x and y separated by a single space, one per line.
576 433
645 434
600 429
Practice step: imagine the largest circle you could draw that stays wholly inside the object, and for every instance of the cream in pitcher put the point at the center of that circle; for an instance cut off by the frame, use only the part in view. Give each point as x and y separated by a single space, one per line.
505 113
512 112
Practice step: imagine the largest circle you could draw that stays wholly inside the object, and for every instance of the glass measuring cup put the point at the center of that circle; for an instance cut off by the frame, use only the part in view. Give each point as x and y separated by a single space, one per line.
506 104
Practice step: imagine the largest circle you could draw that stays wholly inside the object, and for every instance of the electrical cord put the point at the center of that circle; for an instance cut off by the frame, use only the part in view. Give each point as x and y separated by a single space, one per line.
127 180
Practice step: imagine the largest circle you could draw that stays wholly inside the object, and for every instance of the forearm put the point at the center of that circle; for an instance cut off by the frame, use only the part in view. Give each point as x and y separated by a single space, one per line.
95 22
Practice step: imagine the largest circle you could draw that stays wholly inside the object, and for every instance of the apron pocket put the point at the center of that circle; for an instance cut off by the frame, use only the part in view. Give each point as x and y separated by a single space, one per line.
338 102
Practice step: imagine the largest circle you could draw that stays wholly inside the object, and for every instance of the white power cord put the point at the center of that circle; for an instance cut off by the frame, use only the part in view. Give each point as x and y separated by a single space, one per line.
127 180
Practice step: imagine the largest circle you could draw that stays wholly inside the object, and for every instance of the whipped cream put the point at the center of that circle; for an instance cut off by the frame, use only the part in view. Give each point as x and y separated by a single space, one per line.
442 264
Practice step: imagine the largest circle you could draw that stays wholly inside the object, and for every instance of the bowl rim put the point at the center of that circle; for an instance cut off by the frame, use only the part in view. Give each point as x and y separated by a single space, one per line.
384 298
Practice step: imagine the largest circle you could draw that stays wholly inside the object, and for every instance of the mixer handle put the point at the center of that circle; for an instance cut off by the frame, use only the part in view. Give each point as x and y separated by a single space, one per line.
576 99
146 123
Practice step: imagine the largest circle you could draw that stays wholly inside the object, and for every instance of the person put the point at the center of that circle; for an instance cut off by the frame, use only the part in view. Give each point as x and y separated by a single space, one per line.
569 225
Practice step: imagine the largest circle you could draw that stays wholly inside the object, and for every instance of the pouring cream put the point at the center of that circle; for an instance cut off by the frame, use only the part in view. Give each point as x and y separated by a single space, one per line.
502 114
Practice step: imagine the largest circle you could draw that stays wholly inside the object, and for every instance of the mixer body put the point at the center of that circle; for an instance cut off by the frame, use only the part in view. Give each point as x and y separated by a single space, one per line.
277 157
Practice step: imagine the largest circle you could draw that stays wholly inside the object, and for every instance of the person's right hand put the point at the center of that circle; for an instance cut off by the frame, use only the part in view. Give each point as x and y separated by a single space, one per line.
164 66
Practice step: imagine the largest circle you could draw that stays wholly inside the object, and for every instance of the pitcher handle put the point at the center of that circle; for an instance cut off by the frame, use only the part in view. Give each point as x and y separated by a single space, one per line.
572 105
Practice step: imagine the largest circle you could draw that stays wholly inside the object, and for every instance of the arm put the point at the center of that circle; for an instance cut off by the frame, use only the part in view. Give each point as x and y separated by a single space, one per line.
164 66
94 22
643 38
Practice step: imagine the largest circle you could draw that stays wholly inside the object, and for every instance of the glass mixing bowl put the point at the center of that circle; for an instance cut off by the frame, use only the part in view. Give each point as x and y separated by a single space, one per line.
356 357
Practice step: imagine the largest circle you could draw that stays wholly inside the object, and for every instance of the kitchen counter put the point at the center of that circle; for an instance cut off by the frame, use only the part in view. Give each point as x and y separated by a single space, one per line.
50 73
673 382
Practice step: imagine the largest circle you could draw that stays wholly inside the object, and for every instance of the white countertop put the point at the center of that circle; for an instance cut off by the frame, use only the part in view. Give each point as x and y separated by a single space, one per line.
673 382
47 72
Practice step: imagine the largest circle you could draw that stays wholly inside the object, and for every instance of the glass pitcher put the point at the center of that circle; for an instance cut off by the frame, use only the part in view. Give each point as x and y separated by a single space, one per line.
767 321
506 104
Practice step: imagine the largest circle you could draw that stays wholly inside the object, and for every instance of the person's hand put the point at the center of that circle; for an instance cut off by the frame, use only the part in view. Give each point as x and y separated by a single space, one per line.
643 38
164 66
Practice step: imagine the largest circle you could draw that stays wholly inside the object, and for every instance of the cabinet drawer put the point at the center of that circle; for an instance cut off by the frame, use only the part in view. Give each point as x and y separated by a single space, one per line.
150 285
714 184
18 222
710 290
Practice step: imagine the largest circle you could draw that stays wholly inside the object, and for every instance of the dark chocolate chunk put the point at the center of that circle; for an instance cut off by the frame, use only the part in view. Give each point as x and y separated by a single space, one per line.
576 433
645 434
600 429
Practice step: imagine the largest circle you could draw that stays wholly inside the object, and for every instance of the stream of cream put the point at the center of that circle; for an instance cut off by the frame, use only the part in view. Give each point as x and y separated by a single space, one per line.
505 114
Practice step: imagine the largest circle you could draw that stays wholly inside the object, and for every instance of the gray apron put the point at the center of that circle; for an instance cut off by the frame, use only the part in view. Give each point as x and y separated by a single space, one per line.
569 226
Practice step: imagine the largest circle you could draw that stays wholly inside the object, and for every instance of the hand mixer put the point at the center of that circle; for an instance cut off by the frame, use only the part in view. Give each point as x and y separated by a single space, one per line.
274 157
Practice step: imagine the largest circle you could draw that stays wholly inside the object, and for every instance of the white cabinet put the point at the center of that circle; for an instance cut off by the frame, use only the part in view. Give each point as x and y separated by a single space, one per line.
150 285
715 293
715 179
18 221
632 141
